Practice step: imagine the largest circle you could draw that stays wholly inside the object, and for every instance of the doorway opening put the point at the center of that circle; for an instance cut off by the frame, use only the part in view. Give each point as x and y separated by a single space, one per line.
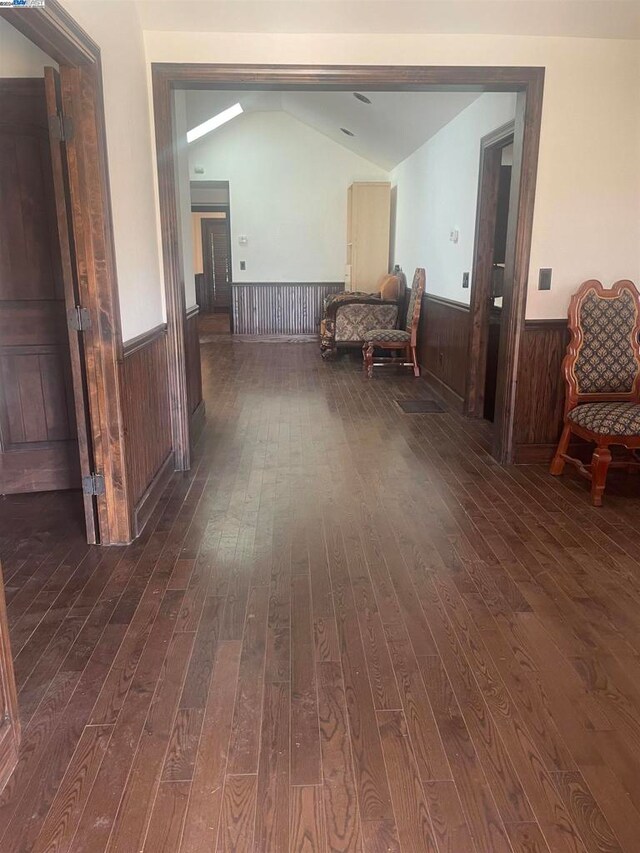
45 441
169 80
61 419
212 262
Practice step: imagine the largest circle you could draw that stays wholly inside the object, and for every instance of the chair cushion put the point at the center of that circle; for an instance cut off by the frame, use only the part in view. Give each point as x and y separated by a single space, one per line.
391 336
607 418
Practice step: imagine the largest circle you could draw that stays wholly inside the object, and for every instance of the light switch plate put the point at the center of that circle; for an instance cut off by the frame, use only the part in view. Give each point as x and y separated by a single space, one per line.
465 279
544 278
243 265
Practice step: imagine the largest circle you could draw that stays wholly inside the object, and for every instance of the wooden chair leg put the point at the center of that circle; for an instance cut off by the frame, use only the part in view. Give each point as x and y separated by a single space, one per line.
599 467
416 366
368 351
558 463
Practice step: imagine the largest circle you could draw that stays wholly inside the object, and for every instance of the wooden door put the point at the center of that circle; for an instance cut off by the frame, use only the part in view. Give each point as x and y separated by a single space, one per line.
216 258
9 722
72 298
38 444
488 277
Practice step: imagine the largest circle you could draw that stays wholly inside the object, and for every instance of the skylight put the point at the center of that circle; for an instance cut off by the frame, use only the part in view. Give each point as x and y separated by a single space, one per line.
211 123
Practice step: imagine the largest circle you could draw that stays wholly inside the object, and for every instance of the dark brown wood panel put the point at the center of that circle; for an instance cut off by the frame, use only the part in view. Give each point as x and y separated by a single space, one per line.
165 687
38 444
541 389
443 345
146 409
192 352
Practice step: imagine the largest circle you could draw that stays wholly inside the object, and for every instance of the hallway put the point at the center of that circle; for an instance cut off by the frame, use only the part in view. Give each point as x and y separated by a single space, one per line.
345 629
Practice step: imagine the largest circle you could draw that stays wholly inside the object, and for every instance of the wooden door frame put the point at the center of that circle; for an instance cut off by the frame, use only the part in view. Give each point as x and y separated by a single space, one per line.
55 32
491 147
527 82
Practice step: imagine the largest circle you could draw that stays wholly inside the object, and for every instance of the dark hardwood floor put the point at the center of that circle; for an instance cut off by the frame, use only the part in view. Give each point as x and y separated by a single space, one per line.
345 629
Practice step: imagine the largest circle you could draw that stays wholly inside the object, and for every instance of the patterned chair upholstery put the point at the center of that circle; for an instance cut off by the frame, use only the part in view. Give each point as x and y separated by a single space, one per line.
402 340
602 374
349 316
388 336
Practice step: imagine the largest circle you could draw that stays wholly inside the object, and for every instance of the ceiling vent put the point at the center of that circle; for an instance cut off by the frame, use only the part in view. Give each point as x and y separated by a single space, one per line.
347 132
361 97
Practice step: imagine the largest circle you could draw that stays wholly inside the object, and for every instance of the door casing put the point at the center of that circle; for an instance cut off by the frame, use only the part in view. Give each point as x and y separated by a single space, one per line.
526 82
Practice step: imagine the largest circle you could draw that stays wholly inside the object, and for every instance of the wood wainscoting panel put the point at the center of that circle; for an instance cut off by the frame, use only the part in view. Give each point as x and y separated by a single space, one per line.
540 392
279 308
443 342
147 420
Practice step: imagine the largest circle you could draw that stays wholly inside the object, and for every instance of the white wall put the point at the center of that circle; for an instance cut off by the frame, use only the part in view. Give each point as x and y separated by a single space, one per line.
288 195
184 197
587 216
18 56
437 189
115 27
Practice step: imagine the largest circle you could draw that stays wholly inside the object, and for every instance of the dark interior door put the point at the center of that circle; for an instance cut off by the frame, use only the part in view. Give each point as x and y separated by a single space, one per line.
216 257
38 440
497 289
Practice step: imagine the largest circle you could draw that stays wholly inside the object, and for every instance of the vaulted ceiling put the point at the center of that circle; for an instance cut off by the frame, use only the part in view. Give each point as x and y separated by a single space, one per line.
385 131
586 18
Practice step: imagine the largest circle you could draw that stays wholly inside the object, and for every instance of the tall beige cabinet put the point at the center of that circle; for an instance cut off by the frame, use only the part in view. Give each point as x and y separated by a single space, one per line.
368 227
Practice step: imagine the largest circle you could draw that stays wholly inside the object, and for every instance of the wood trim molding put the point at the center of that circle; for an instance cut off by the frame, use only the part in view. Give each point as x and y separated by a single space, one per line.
450 397
545 325
527 82
147 503
143 340
287 284
184 75
191 312
526 142
450 303
55 32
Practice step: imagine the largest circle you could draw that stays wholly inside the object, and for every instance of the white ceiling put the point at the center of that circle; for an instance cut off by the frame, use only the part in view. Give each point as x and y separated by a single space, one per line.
386 131
587 18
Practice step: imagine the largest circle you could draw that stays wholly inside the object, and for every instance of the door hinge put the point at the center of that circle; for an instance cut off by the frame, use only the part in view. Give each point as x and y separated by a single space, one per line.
93 484
79 319
61 127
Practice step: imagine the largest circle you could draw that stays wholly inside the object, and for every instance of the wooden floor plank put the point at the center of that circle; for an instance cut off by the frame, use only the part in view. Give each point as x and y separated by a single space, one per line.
167 818
272 816
205 800
307 823
346 629
409 803
343 829
237 815
305 736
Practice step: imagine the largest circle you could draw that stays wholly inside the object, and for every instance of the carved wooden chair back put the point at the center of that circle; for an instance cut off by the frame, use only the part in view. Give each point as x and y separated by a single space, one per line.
414 305
603 357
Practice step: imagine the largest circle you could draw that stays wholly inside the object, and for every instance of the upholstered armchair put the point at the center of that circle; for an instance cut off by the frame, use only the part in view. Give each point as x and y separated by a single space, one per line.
349 316
602 375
